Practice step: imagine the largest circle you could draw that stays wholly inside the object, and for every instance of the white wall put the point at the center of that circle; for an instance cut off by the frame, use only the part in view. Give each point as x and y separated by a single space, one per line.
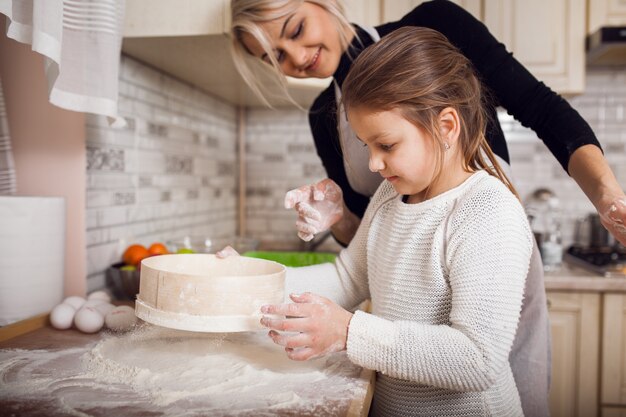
48 145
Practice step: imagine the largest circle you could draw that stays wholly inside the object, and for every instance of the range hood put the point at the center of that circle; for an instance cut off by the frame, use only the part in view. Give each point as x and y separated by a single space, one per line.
607 47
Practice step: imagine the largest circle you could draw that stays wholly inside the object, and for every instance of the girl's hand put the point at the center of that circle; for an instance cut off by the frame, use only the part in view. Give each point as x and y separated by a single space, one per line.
226 252
613 217
321 326
319 206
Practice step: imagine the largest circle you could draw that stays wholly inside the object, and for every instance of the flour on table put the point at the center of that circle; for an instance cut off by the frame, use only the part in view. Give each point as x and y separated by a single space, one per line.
160 371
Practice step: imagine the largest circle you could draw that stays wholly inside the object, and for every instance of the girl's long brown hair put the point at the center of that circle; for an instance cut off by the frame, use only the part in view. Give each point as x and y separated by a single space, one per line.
419 72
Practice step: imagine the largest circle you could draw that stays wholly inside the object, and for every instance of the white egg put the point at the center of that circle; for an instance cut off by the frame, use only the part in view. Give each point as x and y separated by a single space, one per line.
61 316
94 302
75 301
104 308
88 320
99 295
121 318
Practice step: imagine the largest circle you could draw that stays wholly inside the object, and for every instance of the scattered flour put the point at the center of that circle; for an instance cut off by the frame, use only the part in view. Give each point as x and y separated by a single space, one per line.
163 372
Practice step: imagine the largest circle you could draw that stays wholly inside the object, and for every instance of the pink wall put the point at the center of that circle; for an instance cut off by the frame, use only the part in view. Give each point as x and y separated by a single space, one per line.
49 148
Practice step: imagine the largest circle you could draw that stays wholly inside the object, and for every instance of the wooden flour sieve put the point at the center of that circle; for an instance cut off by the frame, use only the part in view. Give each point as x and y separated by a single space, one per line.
202 293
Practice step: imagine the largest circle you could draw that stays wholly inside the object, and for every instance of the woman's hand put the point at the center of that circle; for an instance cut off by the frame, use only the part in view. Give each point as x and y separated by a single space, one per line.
593 174
319 206
320 326
613 217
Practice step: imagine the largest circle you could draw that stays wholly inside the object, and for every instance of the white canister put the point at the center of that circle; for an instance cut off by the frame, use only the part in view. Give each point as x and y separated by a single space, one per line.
32 242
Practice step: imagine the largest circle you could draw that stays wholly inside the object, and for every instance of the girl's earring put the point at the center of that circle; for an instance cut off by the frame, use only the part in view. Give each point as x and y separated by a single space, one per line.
446 145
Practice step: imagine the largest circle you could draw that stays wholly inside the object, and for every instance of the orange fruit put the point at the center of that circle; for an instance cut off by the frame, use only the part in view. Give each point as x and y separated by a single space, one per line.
157 249
134 254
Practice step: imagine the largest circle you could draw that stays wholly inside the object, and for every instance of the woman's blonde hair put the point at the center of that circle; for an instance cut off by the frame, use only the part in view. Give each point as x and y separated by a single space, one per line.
246 17
419 72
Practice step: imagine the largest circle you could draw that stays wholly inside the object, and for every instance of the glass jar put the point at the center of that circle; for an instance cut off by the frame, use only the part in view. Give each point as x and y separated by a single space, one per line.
551 247
543 211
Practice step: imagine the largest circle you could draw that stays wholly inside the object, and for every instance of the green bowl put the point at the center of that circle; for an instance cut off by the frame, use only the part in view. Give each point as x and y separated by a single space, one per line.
293 258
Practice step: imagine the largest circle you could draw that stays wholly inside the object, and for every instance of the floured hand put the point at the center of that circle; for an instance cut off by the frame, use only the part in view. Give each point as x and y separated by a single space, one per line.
613 217
226 252
320 326
319 206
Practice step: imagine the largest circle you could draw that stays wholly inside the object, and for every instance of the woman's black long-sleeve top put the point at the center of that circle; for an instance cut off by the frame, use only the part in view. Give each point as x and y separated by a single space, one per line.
508 83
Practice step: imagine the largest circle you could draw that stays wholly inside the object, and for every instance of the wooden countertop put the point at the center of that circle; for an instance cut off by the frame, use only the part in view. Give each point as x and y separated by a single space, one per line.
573 278
37 334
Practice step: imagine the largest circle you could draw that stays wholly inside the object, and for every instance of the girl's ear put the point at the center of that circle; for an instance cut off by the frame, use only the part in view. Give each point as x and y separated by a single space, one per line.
449 125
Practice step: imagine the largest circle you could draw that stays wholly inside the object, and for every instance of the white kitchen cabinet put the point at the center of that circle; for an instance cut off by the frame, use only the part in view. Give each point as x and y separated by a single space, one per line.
548 37
395 9
614 351
575 326
187 39
145 18
606 13
364 12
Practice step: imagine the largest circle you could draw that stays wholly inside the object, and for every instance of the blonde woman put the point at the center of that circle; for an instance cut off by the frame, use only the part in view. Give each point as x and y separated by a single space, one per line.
442 252
312 38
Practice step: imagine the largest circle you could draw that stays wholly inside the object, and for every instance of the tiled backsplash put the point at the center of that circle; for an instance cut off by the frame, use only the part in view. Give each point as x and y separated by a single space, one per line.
281 156
171 172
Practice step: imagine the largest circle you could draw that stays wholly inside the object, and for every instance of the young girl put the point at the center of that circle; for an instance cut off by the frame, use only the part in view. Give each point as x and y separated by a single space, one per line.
442 252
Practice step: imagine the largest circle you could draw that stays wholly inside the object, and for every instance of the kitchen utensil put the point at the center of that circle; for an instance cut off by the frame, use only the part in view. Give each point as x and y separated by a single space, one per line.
543 211
595 249
202 293
599 236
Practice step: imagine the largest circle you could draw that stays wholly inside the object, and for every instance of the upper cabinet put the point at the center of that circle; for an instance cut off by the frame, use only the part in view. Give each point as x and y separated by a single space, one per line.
548 37
187 39
146 18
364 12
606 13
395 9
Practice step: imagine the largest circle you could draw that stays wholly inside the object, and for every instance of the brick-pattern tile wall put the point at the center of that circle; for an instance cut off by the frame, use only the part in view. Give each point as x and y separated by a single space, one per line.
281 155
171 172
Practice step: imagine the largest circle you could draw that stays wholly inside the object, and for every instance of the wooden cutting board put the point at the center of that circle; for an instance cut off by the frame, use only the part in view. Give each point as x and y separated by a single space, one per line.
71 345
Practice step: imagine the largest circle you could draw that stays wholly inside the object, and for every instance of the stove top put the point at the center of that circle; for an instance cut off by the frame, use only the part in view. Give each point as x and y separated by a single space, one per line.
606 261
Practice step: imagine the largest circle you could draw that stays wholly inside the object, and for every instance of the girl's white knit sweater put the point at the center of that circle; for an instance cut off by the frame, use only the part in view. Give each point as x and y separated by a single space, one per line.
446 279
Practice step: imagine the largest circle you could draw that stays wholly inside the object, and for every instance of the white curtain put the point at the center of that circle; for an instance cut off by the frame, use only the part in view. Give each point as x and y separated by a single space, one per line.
7 168
81 42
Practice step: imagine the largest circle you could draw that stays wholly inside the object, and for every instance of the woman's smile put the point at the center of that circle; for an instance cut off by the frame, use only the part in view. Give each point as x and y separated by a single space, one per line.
315 61
297 41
